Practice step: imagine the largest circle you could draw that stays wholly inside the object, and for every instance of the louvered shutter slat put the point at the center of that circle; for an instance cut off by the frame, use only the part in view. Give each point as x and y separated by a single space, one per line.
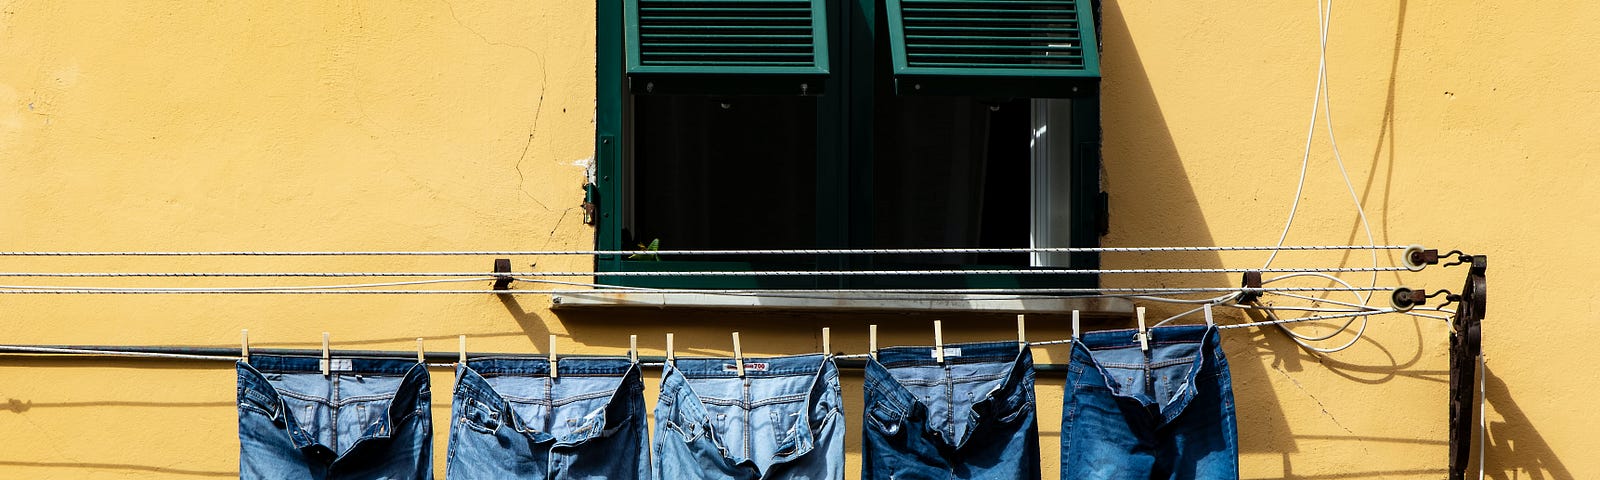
727 47
1009 48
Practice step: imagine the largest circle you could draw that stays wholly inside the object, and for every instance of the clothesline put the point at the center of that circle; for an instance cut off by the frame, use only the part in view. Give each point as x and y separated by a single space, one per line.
230 355
705 273
347 289
843 251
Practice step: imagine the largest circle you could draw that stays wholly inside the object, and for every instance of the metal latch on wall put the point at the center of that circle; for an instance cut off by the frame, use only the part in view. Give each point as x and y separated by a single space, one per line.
589 205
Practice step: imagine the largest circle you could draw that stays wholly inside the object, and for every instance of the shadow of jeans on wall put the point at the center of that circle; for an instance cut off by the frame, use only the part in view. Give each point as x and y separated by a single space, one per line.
1514 449
1142 165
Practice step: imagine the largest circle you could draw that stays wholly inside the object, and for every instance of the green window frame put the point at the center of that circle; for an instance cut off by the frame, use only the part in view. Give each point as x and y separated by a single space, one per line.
845 64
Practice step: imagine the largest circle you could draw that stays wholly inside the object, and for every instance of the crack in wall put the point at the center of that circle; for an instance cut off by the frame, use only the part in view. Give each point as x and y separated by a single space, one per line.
532 131
1314 398
544 78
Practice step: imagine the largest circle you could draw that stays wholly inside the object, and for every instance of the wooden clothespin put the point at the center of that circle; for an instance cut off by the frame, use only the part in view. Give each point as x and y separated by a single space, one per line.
422 356
327 356
552 354
244 346
938 341
1210 322
1076 330
461 349
669 349
738 355
827 341
1144 333
1022 333
633 348
872 341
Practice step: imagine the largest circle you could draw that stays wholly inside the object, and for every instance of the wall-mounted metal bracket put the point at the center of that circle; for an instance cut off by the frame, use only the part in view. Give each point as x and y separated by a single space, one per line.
502 274
1466 344
1252 280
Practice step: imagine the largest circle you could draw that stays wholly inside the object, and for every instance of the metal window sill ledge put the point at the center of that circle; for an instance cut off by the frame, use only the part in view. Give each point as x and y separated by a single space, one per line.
846 302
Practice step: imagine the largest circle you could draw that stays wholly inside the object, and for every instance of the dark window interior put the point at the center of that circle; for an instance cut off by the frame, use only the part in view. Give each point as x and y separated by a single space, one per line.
951 172
724 173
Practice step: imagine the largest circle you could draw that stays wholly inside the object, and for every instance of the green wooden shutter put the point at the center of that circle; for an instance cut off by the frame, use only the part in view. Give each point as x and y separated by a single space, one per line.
1003 48
727 47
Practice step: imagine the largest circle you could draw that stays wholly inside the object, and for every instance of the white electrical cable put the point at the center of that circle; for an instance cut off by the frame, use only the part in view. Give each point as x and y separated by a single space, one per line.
1298 337
1305 158
1277 321
1222 300
1324 19
1181 315
1333 144
1285 308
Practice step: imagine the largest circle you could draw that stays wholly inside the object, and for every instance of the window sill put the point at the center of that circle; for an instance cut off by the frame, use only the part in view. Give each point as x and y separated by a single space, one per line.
847 302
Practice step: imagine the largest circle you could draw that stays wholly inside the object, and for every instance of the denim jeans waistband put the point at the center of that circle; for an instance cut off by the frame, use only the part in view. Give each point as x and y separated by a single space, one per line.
955 353
583 366
411 395
582 382
1104 339
341 365
702 367
785 399
1113 357
1001 370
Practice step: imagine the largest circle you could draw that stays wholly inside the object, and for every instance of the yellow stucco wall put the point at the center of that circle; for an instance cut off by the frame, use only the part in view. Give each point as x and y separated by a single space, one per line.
438 125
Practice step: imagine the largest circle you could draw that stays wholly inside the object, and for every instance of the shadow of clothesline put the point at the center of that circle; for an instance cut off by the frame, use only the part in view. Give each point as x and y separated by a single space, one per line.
121 466
17 405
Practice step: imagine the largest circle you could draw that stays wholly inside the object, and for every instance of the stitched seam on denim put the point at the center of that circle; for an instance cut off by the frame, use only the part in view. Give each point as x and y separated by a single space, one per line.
556 402
368 398
620 425
967 379
748 374
1160 364
256 397
255 408
546 374
414 412
948 361
339 403
304 397
883 428
465 391
1021 410
778 400
887 400
354 372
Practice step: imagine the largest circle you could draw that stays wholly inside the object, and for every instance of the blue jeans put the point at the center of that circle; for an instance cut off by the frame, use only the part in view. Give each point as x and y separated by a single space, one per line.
368 419
1162 414
970 418
511 420
783 420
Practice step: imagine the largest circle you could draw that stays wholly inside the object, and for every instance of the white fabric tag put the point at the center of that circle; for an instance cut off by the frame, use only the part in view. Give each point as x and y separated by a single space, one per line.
338 365
948 352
